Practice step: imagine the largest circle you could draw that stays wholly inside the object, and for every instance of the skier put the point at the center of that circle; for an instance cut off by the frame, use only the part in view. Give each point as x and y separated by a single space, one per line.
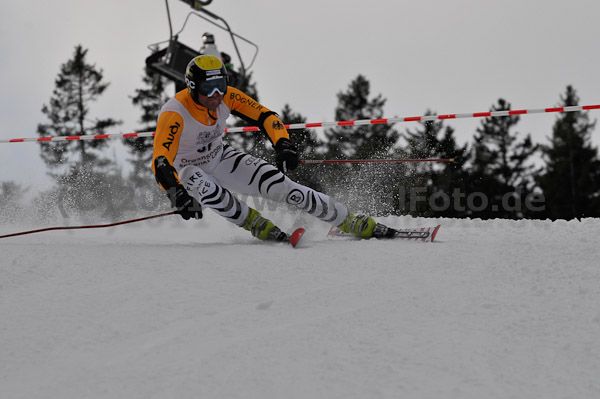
196 169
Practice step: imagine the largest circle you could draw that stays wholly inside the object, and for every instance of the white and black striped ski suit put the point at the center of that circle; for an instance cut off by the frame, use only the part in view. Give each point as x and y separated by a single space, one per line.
242 173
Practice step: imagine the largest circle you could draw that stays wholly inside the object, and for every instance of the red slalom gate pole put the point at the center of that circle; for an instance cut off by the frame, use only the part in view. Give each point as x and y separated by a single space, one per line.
328 161
87 227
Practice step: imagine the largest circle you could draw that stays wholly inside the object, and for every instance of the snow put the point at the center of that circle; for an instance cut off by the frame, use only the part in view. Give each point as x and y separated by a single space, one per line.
200 309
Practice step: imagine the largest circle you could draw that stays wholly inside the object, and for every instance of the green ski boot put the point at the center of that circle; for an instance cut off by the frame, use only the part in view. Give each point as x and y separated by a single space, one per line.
365 227
360 225
262 228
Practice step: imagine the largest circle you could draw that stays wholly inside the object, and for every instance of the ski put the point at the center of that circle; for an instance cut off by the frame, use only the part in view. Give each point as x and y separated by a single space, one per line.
423 234
296 236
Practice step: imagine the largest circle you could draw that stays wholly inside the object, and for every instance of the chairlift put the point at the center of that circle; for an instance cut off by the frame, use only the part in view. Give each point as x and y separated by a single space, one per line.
172 60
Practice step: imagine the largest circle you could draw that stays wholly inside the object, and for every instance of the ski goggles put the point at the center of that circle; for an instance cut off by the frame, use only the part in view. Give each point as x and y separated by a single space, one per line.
210 87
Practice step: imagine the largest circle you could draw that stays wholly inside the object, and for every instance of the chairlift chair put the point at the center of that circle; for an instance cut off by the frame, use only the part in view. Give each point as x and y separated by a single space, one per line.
172 60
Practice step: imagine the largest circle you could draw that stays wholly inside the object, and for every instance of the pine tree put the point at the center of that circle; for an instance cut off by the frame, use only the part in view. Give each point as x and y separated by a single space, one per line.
502 173
452 181
80 167
150 99
360 141
371 188
571 179
435 185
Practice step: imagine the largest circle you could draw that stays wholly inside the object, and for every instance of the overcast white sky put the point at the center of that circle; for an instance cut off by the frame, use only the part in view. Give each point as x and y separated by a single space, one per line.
448 56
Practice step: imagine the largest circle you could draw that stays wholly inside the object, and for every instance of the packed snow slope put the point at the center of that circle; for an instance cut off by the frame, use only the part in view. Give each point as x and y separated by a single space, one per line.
200 309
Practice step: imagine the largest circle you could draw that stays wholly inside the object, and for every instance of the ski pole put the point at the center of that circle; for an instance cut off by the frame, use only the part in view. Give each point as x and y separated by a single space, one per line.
87 227
326 161
361 122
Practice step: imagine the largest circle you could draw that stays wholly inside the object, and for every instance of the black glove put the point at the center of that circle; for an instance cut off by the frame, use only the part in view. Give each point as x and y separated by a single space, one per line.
186 205
287 156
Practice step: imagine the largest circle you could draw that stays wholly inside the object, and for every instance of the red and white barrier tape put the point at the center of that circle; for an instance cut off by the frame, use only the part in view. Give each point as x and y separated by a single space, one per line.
327 124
